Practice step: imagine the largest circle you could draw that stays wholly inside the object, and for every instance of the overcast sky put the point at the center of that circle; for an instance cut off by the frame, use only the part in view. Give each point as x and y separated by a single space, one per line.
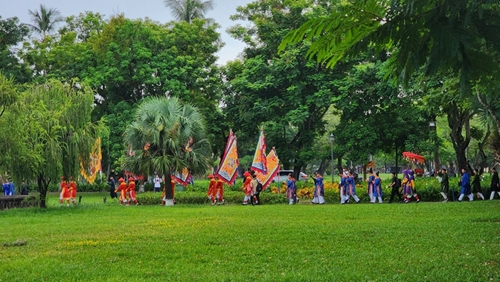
133 9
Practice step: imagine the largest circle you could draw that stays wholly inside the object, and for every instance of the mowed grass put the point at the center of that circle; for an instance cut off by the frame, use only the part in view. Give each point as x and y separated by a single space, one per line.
356 242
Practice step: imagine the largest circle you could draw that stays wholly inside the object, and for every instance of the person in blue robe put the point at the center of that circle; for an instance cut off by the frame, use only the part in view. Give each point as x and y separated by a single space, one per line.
465 186
319 190
377 188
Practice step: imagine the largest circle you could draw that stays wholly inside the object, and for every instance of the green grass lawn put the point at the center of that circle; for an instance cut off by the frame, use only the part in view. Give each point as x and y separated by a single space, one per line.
356 242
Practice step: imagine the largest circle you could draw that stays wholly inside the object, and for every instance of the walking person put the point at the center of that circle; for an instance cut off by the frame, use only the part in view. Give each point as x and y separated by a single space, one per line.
254 183
72 190
123 191
445 184
465 186
476 184
343 188
377 188
247 187
319 190
411 182
395 185
495 185
65 194
211 188
219 190
371 181
351 187
291 189
131 191
111 184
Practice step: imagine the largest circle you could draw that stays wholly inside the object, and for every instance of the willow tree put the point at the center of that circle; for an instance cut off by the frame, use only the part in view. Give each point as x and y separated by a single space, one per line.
53 133
166 136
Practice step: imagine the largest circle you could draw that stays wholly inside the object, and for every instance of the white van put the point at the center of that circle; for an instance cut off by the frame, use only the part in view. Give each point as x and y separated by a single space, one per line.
282 176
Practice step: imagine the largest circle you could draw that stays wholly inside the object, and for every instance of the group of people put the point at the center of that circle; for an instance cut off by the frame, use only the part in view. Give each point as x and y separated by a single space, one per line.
215 190
252 188
347 187
127 191
404 189
468 188
67 189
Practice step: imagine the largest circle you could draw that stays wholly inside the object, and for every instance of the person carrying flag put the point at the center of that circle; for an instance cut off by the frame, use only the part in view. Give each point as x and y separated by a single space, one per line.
247 187
219 190
211 188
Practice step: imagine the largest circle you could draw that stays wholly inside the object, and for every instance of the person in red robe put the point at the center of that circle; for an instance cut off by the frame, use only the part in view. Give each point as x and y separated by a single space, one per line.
212 189
247 187
219 191
72 189
131 191
65 194
122 188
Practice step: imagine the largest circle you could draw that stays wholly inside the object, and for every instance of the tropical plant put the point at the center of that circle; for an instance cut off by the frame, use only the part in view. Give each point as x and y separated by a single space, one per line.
166 136
188 10
45 20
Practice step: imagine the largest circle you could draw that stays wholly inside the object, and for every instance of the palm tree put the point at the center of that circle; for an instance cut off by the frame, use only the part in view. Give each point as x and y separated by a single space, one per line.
166 136
188 10
44 20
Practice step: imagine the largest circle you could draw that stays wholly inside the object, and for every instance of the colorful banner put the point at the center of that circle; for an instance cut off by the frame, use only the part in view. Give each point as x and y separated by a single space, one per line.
90 173
273 167
181 177
259 163
228 166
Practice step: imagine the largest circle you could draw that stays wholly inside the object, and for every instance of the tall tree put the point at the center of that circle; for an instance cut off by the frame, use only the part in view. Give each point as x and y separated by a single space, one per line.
286 92
188 10
45 20
166 136
11 34
439 35
53 132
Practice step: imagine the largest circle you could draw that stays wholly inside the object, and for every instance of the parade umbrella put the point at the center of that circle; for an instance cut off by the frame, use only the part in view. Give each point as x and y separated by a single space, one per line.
409 156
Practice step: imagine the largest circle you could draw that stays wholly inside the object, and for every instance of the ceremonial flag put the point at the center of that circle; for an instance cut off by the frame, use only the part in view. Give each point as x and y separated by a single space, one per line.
259 163
181 177
90 173
273 167
228 166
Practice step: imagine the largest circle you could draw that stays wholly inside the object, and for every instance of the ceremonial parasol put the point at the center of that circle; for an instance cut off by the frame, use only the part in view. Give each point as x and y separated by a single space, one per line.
412 157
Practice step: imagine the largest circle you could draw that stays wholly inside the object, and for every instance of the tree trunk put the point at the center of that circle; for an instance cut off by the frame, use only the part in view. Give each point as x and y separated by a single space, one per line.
42 188
396 162
483 160
339 163
459 121
324 165
169 195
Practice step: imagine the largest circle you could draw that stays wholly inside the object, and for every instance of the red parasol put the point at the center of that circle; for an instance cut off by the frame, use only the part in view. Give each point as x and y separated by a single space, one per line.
412 157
